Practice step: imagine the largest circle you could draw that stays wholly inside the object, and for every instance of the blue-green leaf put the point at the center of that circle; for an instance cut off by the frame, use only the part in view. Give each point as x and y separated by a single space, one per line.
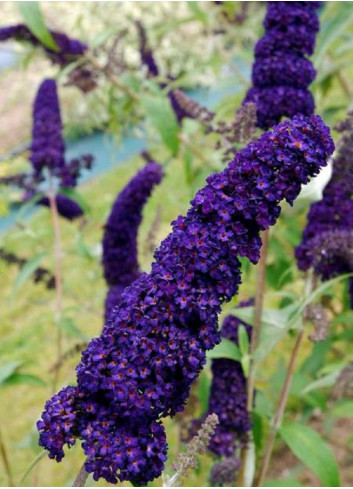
313 451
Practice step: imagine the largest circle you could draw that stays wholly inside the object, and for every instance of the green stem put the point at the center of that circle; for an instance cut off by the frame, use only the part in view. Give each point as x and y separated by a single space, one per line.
6 462
276 423
277 419
255 335
57 275
31 466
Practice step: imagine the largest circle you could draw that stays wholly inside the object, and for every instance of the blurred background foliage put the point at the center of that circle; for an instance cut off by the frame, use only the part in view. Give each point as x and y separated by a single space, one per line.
208 49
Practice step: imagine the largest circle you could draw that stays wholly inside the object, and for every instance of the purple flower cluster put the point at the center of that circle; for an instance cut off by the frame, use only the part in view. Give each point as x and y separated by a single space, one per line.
120 260
333 213
228 397
327 241
68 49
48 150
112 298
224 473
67 208
71 172
331 252
281 73
154 344
134 446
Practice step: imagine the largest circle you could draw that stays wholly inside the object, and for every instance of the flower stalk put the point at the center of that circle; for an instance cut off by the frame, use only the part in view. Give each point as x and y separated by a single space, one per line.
259 301
277 419
58 277
81 478
255 335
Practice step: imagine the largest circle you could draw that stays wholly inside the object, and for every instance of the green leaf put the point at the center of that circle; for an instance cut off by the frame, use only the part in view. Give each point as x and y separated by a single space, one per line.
298 311
226 349
8 369
331 29
316 358
270 317
343 318
245 363
203 389
243 339
162 117
74 195
23 378
324 381
33 18
257 429
313 451
27 271
275 324
343 409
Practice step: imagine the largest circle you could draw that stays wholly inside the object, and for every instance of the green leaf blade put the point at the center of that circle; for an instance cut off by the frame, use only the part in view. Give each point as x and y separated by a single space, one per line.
7 370
225 349
161 116
313 451
23 378
33 18
27 271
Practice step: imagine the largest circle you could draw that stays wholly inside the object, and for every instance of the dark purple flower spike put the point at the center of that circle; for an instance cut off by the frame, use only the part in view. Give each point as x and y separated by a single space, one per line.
48 151
327 241
228 397
47 148
120 260
67 208
281 73
154 345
